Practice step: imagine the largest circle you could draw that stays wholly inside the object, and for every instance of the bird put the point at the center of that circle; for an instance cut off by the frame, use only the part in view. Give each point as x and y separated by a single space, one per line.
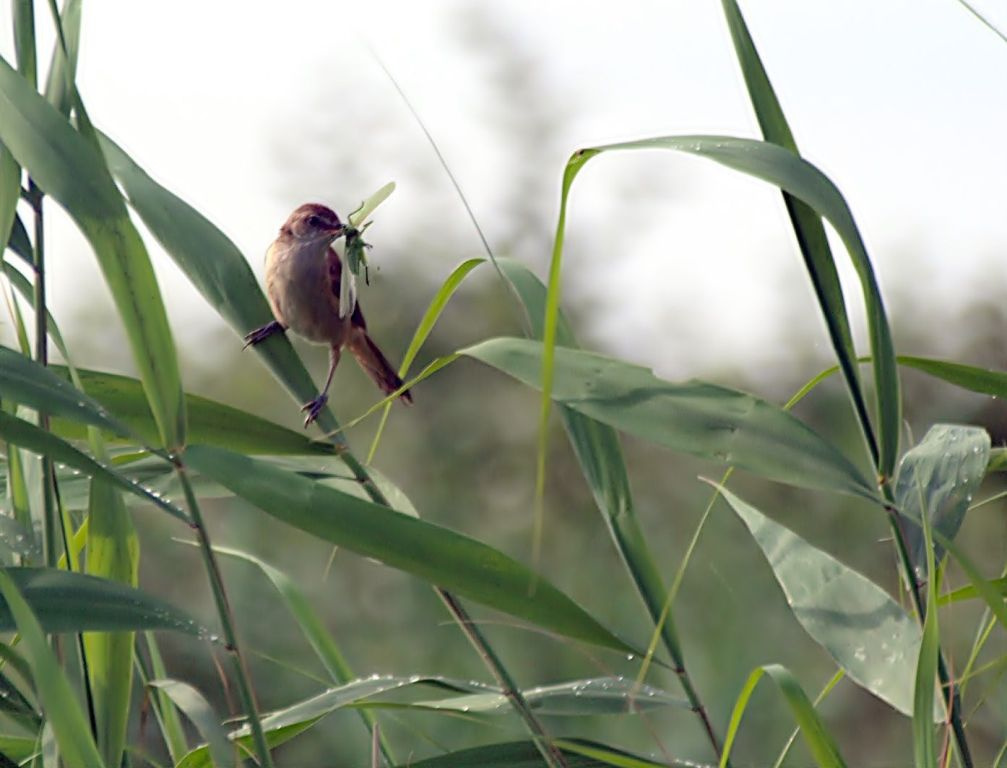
303 275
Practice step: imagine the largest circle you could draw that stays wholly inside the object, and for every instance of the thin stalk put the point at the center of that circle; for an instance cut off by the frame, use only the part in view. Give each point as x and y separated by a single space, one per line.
553 758
50 522
245 691
952 700
630 538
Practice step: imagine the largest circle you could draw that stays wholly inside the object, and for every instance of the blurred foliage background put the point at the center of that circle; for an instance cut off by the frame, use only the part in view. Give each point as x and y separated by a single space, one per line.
465 453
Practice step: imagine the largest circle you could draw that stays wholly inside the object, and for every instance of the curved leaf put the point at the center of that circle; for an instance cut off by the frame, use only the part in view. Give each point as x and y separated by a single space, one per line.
936 480
868 634
26 382
30 437
207 722
700 419
65 601
820 742
438 555
66 166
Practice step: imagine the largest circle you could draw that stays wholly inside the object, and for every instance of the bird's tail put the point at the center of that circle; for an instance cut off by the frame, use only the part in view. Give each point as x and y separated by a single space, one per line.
376 365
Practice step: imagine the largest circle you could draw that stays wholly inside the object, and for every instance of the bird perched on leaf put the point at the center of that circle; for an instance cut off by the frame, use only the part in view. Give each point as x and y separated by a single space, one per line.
303 278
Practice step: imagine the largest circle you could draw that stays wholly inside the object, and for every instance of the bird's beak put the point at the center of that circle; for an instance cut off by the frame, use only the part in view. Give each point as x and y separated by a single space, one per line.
337 231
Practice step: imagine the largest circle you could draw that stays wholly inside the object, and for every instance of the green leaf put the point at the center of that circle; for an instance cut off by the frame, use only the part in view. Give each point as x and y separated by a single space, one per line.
25 381
926 668
793 175
437 555
808 228
426 325
65 601
202 715
215 266
210 421
937 479
66 166
113 554
39 441
577 753
10 193
968 377
820 742
58 698
577 698
700 419
58 83
868 634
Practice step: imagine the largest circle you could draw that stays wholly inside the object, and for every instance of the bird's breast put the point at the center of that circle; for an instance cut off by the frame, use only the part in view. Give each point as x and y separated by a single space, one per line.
303 294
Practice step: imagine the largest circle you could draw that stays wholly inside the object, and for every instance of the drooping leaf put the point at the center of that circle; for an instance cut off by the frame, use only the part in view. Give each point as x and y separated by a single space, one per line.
65 601
820 742
701 419
438 555
30 437
207 722
868 634
937 479
25 381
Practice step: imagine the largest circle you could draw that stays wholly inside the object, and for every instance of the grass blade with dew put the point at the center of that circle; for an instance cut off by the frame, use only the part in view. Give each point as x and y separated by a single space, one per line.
855 621
202 715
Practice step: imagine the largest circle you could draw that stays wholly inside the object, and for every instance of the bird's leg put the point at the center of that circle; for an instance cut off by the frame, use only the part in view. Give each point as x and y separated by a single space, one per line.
314 407
261 334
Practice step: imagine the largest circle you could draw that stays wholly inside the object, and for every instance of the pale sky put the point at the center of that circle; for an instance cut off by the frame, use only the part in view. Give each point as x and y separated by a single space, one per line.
902 103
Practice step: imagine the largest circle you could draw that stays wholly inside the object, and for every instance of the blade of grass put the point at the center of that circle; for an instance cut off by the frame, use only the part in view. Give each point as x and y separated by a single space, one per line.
426 325
434 554
201 714
61 708
39 441
818 739
807 225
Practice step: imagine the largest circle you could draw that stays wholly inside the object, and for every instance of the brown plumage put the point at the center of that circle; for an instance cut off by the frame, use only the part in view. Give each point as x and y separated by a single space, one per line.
303 275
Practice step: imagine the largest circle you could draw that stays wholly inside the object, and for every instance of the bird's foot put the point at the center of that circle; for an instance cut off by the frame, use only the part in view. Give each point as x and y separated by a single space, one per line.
261 334
314 407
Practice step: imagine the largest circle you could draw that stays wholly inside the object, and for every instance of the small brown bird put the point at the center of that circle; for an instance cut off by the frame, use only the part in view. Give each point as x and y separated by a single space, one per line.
302 282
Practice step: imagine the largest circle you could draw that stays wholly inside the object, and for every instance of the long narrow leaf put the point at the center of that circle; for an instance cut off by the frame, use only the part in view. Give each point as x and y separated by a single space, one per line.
26 382
58 698
210 421
65 601
202 715
38 441
113 554
701 419
811 239
65 165
435 554
816 736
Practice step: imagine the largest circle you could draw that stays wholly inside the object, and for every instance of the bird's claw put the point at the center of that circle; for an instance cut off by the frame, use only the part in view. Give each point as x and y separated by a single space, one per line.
314 407
262 333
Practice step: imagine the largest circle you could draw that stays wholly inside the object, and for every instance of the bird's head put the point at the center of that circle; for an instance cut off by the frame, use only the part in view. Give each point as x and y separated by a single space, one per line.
314 223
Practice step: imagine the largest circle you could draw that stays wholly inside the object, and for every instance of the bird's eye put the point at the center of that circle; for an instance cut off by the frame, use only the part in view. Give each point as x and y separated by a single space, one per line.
314 221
